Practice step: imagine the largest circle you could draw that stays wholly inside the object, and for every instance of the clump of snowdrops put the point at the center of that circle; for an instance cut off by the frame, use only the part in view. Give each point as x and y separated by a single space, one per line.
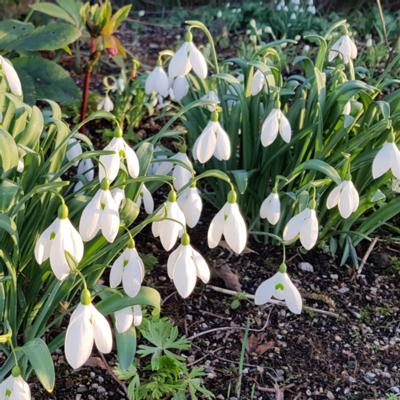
68 224
308 144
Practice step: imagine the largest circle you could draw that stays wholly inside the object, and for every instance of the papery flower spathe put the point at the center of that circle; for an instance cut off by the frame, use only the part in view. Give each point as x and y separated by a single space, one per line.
275 123
15 387
280 287
147 199
271 208
157 81
213 141
86 327
345 197
128 316
128 268
57 240
387 158
11 75
228 222
211 96
173 222
106 104
109 164
345 48
191 204
305 226
188 57
185 265
101 213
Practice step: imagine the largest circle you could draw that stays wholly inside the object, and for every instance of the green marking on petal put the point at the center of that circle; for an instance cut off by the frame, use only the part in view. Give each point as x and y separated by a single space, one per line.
102 206
8 392
226 216
279 286
125 263
52 235
122 153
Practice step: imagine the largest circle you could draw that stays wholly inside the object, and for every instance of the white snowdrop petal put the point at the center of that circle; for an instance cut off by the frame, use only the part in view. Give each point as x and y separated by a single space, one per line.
333 197
109 220
172 261
270 129
117 270
205 144
309 231
132 162
11 76
79 337
132 277
292 296
101 331
123 319
203 271
292 228
197 61
257 83
265 291
223 144
180 64
395 160
382 161
285 129
43 244
89 222
235 231
191 205
216 229
185 273
58 260
180 88
148 201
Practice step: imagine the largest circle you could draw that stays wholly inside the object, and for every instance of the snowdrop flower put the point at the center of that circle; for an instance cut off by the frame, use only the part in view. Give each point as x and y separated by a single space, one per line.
74 150
21 165
186 58
172 226
118 195
141 13
303 225
128 268
147 199
257 83
228 222
191 205
293 16
58 239
86 171
274 123
86 327
109 164
387 158
211 96
157 81
345 48
369 42
106 104
11 76
185 265
347 108
15 387
179 88
271 208
101 213
312 10
213 141
280 287
345 196
219 14
128 316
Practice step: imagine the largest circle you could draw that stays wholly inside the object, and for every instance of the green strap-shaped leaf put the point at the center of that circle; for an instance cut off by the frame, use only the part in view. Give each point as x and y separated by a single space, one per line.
126 347
31 134
39 357
53 10
8 151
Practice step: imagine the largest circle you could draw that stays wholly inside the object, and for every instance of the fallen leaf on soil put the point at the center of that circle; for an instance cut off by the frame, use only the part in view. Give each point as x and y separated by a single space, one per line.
258 344
230 278
95 362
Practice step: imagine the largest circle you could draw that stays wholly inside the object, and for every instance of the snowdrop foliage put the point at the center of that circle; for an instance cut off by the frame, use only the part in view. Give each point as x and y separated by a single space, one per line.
345 197
305 226
387 158
185 265
275 123
100 214
213 141
188 57
280 287
110 164
58 240
86 327
344 48
128 268
229 223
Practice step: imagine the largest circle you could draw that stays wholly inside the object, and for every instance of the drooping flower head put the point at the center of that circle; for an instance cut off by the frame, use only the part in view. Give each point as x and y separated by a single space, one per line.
185 265
387 158
106 104
213 141
271 208
157 81
171 224
228 222
58 242
275 123
109 164
128 316
191 204
147 199
344 48
128 268
188 57
280 287
100 214
14 387
86 327
345 197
